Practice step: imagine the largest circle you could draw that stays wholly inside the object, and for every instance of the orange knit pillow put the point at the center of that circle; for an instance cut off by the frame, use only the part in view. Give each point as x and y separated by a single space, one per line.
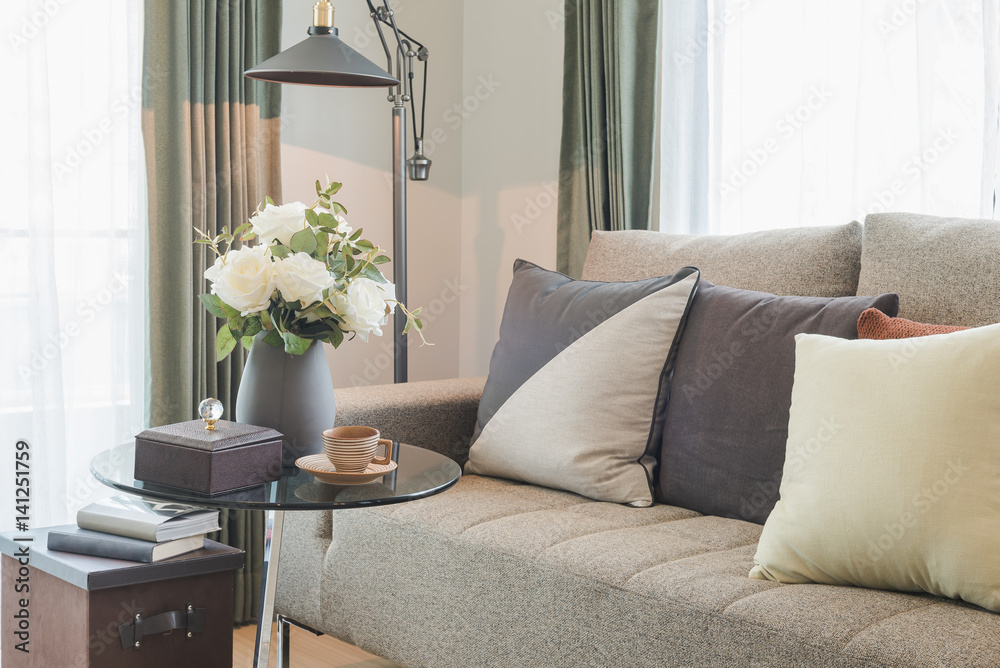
873 324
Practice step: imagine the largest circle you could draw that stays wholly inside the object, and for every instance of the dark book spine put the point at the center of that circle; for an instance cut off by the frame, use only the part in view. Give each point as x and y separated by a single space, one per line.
131 550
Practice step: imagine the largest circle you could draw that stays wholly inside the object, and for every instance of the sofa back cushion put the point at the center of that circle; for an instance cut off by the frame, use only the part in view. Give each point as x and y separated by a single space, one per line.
807 261
945 270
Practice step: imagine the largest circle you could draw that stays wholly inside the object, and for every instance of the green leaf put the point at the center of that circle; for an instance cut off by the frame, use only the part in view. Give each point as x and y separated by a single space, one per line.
381 259
280 252
207 242
274 339
295 345
224 343
366 245
357 235
337 207
349 263
374 274
322 242
267 198
241 229
236 325
228 310
420 323
336 337
312 218
252 327
304 241
265 320
214 305
327 219
334 188
247 342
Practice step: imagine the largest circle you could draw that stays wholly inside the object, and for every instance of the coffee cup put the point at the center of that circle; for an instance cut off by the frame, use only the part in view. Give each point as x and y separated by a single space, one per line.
352 449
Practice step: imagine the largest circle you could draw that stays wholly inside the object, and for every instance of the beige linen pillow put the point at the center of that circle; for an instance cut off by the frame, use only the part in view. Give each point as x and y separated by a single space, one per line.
892 467
582 421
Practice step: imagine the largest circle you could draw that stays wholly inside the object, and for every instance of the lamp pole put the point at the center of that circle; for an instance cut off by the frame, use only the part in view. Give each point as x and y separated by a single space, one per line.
399 233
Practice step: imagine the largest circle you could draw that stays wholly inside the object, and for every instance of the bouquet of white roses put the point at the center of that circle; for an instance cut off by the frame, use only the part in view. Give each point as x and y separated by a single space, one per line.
309 277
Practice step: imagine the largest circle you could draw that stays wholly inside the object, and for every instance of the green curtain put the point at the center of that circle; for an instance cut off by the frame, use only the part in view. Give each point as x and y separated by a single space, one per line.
610 83
212 141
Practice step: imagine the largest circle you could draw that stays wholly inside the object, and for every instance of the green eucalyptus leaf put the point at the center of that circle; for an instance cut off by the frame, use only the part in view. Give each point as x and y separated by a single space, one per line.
214 305
247 342
357 235
327 219
374 274
224 343
381 259
312 218
366 245
267 198
265 320
334 188
295 345
274 339
280 252
319 188
322 242
337 207
348 263
304 241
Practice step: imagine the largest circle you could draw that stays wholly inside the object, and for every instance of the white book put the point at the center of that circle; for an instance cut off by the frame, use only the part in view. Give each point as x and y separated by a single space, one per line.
147 520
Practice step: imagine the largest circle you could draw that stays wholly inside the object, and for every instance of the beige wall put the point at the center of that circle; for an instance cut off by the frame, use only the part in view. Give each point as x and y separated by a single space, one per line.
492 128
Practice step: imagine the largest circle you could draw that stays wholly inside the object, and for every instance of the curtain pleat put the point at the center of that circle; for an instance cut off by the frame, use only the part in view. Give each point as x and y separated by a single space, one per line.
607 157
213 152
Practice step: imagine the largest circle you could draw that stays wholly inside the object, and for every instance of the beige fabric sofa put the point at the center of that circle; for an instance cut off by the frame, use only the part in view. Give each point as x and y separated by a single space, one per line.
497 573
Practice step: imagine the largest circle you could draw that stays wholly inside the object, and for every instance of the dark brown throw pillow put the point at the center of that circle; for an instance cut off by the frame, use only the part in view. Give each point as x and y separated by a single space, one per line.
873 324
723 440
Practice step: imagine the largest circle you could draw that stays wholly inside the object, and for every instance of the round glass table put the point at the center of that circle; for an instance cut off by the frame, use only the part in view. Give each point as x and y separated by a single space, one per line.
419 473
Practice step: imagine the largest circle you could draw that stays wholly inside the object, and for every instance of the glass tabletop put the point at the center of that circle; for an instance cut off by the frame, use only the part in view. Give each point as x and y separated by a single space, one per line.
419 473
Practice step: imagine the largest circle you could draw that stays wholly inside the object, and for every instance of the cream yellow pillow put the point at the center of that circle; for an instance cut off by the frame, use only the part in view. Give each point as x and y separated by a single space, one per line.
892 467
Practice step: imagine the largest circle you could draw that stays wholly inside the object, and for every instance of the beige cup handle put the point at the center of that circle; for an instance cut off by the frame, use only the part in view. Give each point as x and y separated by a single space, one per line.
388 452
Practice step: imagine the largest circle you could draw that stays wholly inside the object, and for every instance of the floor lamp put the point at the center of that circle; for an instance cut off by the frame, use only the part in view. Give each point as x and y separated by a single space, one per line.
322 59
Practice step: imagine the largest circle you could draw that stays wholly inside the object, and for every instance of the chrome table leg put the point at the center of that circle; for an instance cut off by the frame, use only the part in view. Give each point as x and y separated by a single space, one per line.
265 618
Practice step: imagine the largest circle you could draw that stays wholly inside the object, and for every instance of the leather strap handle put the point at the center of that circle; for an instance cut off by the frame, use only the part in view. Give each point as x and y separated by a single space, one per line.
191 620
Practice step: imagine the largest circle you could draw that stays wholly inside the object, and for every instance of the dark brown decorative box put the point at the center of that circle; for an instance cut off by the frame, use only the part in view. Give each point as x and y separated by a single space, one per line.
188 456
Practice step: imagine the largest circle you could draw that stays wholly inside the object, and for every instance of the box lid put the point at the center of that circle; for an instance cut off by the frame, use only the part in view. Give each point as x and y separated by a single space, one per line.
225 435
93 573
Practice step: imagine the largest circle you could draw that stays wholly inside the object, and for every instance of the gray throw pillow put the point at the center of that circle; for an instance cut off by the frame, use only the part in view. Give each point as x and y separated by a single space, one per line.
576 380
723 440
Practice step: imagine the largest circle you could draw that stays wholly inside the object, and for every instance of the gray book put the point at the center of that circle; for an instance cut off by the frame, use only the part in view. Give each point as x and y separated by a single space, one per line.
94 543
154 521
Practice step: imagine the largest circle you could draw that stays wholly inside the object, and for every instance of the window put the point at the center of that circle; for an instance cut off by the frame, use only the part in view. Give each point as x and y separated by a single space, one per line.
819 113
72 239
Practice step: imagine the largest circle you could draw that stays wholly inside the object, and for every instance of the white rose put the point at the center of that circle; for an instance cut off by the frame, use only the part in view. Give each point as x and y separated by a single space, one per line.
245 280
366 306
279 223
300 278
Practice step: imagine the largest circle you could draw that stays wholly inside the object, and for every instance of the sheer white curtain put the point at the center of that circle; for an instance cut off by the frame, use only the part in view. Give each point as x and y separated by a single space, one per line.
72 245
818 113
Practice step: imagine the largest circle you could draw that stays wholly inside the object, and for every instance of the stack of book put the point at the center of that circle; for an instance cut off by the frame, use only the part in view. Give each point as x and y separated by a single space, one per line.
123 527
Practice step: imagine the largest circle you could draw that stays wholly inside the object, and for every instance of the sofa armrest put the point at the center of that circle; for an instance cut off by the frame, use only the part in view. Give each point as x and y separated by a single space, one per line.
439 415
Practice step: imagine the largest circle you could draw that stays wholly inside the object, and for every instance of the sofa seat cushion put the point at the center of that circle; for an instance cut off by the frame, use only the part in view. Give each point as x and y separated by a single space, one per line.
495 572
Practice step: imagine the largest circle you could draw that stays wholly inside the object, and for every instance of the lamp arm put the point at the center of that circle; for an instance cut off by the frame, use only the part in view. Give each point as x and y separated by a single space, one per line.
378 29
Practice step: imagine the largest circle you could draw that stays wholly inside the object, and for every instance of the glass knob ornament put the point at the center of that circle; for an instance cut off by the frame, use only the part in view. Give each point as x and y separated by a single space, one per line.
210 411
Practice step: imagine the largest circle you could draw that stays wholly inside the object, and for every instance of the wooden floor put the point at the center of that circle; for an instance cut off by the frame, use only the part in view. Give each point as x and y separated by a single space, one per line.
308 651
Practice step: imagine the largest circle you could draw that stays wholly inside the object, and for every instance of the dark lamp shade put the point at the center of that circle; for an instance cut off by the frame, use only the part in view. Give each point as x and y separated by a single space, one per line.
322 60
